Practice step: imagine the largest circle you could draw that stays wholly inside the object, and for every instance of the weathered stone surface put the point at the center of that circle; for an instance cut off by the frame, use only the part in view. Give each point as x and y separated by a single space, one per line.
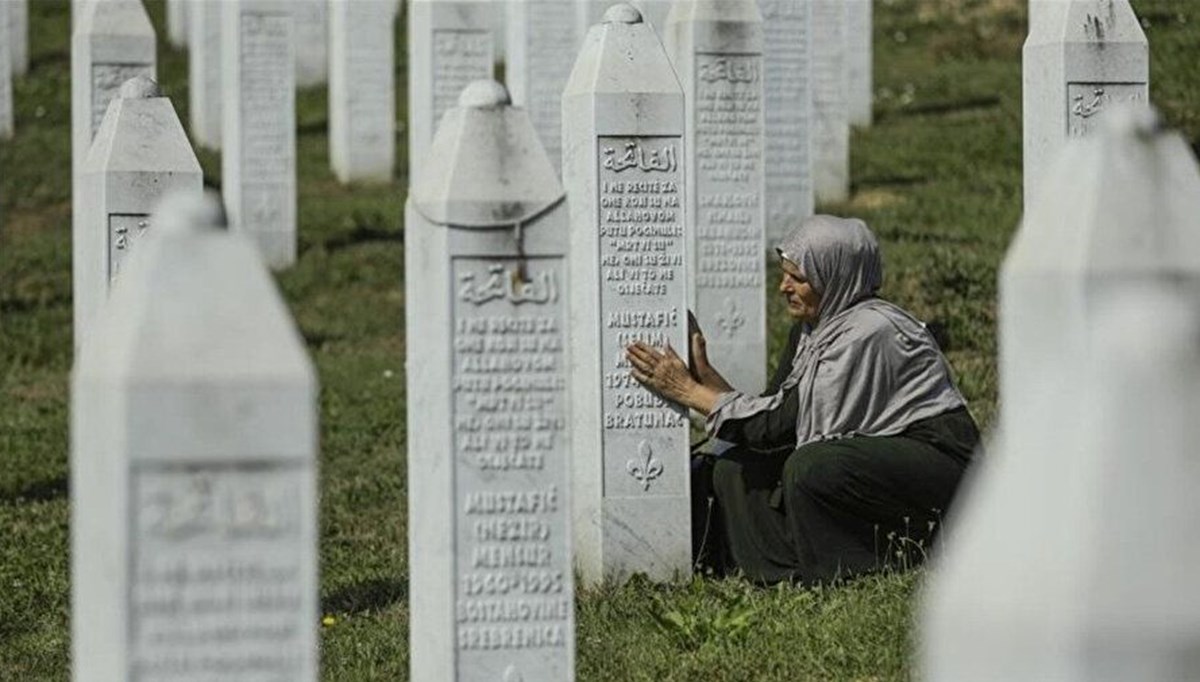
258 129
312 41
113 42
623 166
204 74
541 35
140 155
717 49
451 43
362 90
1081 57
787 57
193 469
859 53
1068 559
489 447
831 131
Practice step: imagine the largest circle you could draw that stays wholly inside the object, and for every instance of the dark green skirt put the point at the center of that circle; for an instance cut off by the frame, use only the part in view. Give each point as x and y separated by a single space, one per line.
831 509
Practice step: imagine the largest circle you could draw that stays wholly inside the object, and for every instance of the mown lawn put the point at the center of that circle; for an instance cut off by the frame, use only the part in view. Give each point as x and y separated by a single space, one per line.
938 177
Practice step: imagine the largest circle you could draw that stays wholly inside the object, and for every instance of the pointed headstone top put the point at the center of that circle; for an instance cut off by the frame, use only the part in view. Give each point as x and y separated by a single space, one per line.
484 94
139 87
623 13
116 18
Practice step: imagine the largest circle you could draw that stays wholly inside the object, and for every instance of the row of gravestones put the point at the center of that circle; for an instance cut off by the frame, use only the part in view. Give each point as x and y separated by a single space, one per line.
223 522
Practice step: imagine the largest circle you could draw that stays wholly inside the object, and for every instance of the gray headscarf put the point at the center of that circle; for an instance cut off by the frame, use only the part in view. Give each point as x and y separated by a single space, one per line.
866 367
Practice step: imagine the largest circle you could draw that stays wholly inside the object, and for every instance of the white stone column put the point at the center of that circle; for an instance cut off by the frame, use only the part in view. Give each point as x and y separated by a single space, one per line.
18 27
193 469
113 42
141 154
543 37
362 90
451 43
1083 57
624 169
204 74
717 49
787 58
859 68
489 448
178 12
1069 559
831 133
6 77
258 129
312 42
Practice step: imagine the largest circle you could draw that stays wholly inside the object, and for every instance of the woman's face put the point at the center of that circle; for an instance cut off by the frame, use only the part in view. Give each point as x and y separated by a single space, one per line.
803 301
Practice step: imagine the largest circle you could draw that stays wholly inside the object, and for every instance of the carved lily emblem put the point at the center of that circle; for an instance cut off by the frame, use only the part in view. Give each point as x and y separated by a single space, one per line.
731 319
646 468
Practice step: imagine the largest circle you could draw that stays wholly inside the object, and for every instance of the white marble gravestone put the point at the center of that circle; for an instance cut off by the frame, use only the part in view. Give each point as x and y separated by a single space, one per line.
18 28
859 71
6 77
362 90
787 59
141 154
624 166
717 49
831 122
113 42
204 73
1070 558
312 41
178 18
193 469
1081 57
451 43
258 129
543 37
489 447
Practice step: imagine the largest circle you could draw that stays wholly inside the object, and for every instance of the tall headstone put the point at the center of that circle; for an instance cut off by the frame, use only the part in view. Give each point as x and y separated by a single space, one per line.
831 122
489 450
1081 57
540 35
178 12
624 169
451 43
859 55
113 42
258 129
787 60
18 28
717 49
193 469
6 77
1069 558
141 154
312 41
362 90
204 73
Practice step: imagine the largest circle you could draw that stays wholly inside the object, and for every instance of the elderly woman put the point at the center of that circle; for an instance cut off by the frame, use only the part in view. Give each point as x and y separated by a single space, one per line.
851 457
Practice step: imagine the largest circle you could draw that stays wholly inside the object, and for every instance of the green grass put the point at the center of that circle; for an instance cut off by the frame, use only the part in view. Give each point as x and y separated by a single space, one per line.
938 177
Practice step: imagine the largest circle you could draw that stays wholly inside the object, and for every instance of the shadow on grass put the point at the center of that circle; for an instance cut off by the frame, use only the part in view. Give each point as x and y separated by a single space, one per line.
41 491
312 128
32 305
981 103
362 235
369 595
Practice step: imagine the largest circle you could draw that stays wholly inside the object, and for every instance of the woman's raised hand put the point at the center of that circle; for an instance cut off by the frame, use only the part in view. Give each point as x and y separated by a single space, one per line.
665 373
702 370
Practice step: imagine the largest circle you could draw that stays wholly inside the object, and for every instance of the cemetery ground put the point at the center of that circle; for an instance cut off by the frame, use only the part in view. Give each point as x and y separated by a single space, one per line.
937 177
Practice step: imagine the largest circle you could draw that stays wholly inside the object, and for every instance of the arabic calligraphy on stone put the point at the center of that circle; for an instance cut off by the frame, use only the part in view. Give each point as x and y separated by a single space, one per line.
658 160
505 283
741 71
